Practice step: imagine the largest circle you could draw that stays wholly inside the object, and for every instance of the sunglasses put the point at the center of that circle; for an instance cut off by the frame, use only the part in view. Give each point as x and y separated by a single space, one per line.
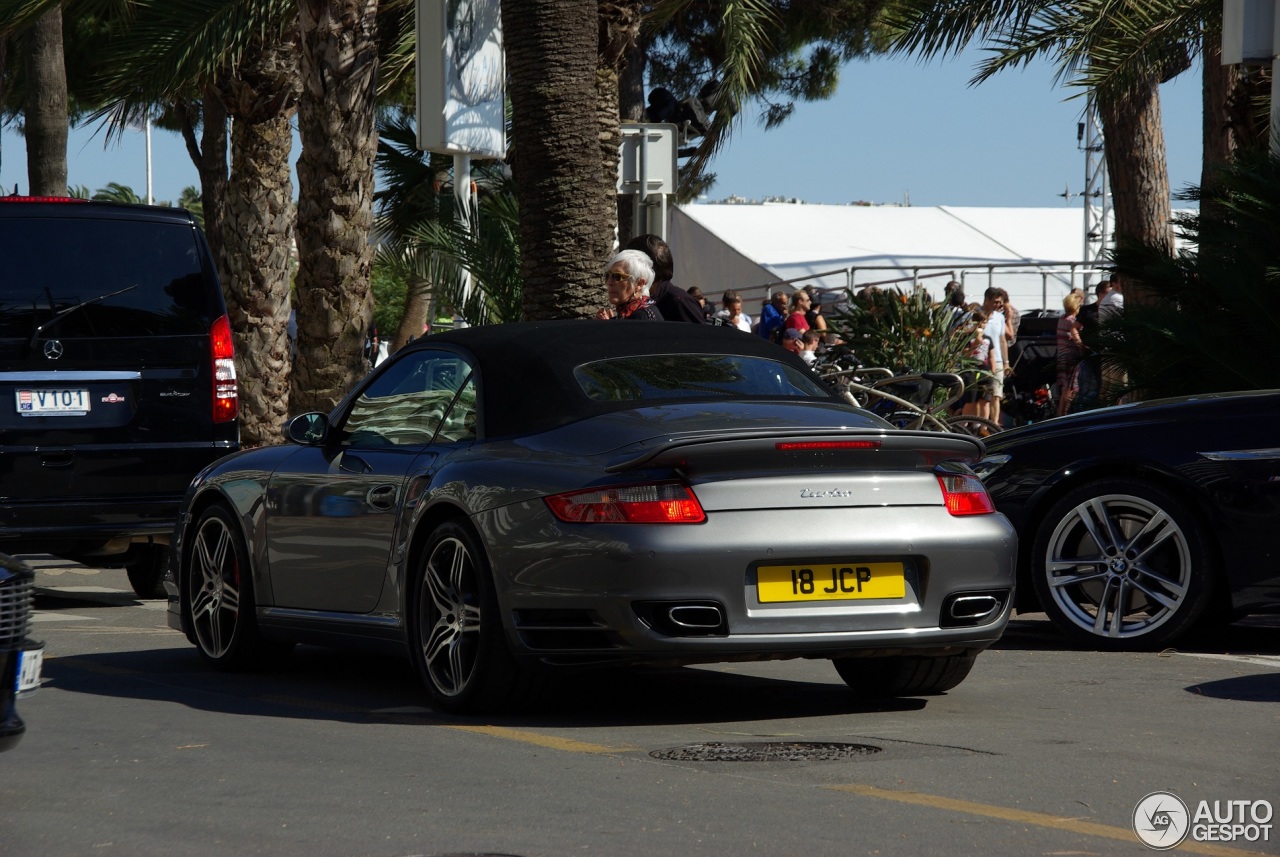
615 277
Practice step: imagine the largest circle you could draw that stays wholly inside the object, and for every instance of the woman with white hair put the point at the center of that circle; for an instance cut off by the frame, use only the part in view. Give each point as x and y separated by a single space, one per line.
627 278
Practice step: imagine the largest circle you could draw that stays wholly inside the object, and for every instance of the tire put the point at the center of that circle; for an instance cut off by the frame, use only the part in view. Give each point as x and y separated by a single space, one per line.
458 645
904 675
146 570
1122 565
216 588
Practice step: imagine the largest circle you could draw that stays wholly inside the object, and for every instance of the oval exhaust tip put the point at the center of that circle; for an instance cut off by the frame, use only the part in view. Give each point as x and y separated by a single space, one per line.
974 607
701 616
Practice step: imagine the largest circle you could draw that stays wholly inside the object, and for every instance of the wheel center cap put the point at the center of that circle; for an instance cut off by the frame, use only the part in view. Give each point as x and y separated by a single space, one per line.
1119 566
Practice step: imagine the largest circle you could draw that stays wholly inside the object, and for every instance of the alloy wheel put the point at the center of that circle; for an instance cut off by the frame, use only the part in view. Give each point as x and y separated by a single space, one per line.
450 605
214 585
1118 566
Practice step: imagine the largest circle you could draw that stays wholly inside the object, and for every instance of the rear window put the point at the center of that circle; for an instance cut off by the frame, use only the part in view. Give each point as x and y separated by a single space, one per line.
694 376
146 274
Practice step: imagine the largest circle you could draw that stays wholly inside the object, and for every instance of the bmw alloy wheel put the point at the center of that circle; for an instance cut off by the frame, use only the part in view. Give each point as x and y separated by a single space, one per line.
1122 565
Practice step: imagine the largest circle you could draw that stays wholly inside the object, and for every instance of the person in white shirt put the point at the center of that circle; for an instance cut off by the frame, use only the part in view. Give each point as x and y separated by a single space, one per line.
996 329
732 315
1112 302
809 342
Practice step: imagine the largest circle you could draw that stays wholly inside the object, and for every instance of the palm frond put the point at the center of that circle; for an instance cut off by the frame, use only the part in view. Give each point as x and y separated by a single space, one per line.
171 47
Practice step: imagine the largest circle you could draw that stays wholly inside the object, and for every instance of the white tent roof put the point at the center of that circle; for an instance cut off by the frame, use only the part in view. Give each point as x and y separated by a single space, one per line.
747 247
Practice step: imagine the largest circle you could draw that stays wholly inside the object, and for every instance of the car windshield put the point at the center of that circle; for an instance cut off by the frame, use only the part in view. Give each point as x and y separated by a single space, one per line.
693 376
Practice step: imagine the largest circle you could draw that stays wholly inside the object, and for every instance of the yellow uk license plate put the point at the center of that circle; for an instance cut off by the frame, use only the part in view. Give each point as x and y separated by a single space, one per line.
832 581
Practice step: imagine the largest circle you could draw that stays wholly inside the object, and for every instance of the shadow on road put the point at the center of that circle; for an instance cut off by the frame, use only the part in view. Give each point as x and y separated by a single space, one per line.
1264 687
1252 635
319 684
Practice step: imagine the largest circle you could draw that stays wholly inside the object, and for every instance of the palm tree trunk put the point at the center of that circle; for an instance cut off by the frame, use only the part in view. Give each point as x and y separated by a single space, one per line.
417 303
258 234
567 203
335 197
209 155
45 111
1219 81
1139 175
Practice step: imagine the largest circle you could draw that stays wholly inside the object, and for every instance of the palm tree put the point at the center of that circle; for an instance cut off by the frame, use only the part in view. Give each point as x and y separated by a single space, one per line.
190 200
205 60
567 202
1083 37
46 105
1216 325
421 239
1236 101
339 48
115 192
437 253
248 71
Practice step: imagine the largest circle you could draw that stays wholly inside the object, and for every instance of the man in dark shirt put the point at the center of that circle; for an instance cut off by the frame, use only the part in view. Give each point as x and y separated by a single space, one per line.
674 304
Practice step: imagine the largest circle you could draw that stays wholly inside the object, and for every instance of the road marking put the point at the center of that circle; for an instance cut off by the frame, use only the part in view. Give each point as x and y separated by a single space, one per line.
549 741
51 616
1264 660
1022 816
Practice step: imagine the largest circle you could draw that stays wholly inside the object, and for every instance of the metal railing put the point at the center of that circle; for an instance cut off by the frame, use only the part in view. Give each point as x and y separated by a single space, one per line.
1067 275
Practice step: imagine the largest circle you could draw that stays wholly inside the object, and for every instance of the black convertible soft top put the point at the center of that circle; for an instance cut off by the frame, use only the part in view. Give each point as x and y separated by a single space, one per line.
526 368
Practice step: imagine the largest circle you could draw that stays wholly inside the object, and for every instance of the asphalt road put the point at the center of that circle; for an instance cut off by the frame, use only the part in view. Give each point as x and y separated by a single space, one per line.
135 748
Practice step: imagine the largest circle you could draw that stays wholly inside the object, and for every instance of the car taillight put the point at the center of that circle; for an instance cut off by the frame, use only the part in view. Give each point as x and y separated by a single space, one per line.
657 503
824 445
226 399
965 495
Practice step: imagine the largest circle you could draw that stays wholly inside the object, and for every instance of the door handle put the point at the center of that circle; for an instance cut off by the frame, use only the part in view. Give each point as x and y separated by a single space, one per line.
57 458
381 497
354 464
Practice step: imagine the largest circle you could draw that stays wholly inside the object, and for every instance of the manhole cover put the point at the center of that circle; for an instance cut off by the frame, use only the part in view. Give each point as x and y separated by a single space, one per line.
766 751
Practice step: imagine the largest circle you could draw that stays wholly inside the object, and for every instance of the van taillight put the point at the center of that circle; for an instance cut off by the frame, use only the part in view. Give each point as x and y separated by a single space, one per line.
225 395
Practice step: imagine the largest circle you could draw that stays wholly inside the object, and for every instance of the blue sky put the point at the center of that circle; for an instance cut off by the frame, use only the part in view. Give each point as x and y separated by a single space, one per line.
895 130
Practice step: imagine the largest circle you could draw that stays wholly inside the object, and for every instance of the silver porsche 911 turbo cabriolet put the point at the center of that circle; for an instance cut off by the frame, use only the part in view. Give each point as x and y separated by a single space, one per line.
498 501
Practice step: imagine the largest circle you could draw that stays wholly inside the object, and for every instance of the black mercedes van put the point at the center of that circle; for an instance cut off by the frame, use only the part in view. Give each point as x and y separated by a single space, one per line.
117 379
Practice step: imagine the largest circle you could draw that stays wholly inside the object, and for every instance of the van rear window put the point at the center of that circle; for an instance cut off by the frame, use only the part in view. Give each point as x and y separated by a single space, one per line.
107 278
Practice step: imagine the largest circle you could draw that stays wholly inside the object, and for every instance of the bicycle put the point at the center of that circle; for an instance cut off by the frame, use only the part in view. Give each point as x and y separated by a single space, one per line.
910 401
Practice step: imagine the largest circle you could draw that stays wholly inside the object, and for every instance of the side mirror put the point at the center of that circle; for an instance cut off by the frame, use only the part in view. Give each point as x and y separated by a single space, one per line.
309 429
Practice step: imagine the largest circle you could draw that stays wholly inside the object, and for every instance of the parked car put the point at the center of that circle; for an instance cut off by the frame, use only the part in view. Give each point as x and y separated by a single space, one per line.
117 382
1139 522
21 659
579 492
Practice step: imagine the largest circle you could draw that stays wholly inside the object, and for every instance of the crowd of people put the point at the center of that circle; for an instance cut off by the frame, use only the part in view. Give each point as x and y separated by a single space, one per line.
1082 380
639 286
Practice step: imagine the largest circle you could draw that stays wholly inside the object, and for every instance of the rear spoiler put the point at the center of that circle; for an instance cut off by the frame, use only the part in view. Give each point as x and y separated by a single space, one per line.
805 450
